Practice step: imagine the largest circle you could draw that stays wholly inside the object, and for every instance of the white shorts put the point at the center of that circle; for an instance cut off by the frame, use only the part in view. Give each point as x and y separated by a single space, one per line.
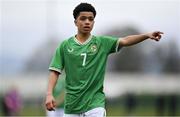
57 113
96 112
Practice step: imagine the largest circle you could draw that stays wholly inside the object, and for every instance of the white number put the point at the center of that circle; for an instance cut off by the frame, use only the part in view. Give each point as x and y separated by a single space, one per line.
84 59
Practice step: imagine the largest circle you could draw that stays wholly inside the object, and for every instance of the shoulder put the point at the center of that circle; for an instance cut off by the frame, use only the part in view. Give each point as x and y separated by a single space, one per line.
105 37
99 38
65 42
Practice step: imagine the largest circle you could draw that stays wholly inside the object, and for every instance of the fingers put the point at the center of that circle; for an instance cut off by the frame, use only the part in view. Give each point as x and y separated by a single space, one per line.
50 106
54 104
156 35
156 39
50 103
159 32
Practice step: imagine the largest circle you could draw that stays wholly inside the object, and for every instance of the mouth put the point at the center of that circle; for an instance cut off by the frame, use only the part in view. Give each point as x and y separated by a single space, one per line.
86 27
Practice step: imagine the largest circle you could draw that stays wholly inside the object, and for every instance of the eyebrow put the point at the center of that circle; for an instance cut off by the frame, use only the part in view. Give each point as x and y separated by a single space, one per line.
87 16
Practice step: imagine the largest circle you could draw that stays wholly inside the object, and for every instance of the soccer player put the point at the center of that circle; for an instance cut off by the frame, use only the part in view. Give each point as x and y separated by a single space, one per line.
84 56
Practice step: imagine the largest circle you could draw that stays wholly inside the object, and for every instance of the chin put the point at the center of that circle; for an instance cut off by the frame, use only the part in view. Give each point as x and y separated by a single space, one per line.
86 32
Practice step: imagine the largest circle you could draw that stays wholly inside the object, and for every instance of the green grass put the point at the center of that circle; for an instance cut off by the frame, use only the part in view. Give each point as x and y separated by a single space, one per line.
139 111
33 111
145 106
111 111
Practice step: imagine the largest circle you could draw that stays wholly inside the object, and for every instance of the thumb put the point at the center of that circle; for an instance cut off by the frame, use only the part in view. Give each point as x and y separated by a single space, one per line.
54 103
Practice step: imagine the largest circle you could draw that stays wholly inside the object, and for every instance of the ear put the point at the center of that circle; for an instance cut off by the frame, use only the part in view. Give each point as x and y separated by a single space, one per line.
75 22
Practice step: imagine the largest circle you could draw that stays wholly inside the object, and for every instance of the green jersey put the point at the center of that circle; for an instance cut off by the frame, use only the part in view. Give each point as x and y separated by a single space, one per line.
84 66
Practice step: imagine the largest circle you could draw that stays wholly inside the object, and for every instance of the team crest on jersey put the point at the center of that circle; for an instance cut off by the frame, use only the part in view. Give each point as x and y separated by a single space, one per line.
93 48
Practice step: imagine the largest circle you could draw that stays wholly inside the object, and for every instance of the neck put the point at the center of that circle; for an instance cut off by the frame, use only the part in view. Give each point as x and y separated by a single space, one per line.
82 37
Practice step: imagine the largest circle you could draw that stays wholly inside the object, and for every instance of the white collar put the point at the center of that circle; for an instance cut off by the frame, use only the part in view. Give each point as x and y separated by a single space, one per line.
84 43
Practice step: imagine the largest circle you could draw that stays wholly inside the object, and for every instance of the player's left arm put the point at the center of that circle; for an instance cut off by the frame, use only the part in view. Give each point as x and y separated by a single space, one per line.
134 39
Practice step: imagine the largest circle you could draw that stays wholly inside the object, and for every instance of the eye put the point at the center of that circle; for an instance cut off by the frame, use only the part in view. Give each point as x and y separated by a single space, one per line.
91 18
83 18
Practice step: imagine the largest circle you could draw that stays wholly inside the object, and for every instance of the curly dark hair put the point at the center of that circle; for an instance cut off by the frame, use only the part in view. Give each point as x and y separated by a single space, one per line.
83 7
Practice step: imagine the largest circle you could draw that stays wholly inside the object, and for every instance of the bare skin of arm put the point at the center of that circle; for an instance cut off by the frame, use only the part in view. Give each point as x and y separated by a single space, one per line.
134 39
50 101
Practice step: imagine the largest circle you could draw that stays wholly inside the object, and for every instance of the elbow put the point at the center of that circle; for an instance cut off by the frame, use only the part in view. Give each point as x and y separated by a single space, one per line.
55 73
123 42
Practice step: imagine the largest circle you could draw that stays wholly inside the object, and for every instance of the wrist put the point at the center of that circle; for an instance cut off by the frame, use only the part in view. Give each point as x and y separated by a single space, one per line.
146 36
49 93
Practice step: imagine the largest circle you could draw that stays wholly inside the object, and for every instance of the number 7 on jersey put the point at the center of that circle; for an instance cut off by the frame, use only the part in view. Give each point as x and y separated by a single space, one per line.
84 58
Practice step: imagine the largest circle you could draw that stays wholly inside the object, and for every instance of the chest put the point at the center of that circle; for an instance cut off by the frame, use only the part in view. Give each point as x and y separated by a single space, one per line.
83 54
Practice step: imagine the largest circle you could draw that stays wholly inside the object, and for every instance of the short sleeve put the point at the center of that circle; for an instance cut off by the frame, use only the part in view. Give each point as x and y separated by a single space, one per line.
57 62
111 44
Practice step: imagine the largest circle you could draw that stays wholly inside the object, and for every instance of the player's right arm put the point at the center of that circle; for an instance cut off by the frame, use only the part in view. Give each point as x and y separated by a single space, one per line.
56 65
50 101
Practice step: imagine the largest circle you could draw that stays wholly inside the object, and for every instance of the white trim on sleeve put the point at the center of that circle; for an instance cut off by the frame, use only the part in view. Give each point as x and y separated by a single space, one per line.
117 45
55 69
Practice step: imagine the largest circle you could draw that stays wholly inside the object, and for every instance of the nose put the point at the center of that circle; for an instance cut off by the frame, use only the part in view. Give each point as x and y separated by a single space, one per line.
87 21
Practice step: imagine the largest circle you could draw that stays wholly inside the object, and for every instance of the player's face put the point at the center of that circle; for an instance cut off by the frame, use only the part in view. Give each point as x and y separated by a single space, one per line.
85 22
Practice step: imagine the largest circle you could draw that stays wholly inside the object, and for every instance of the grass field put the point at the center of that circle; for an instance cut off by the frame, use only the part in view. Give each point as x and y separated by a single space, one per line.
145 105
111 111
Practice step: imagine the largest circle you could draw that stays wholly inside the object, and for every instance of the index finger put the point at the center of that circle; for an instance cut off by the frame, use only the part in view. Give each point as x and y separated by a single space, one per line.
160 32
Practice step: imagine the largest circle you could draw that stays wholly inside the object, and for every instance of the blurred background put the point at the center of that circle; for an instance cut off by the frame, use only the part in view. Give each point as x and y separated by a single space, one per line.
140 80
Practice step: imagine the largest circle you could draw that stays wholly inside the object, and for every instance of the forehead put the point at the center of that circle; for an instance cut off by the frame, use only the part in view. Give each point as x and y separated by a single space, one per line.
86 14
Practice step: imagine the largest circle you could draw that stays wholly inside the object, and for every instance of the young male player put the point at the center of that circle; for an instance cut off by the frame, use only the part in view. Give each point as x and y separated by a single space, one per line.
84 57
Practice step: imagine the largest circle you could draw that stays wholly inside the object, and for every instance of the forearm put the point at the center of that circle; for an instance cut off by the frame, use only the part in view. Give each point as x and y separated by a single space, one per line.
53 76
133 39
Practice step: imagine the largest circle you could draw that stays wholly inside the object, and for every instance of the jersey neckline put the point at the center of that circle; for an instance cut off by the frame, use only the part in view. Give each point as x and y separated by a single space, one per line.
84 43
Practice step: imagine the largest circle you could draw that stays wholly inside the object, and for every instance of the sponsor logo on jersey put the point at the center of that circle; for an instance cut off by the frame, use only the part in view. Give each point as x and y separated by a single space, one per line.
70 50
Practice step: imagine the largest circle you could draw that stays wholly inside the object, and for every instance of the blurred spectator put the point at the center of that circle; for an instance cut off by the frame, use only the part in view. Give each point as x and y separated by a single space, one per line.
58 93
160 105
172 105
12 102
130 103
